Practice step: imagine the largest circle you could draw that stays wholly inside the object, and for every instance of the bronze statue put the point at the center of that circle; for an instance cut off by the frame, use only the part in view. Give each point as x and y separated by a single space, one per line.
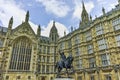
64 63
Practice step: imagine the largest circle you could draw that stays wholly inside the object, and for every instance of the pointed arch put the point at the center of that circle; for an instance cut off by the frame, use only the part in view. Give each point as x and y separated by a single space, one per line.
21 54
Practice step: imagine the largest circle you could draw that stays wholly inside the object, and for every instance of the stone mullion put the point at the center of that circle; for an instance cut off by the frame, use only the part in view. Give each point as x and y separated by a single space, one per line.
25 51
11 60
14 56
18 48
26 54
20 55
30 56
20 52
46 49
23 57
45 66
14 64
41 66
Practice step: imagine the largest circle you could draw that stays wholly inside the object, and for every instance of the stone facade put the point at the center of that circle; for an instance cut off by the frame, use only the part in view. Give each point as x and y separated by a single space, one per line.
95 46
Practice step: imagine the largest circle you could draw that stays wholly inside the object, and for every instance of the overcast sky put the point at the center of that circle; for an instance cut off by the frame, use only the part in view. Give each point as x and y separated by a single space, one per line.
66 13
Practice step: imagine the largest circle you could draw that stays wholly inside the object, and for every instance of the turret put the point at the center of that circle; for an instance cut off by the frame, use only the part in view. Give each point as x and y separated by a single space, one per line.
53 33
6 41
71 28
10 26
90 18
38 31
64 33
27 17
84 15
103 10
80 23
10 23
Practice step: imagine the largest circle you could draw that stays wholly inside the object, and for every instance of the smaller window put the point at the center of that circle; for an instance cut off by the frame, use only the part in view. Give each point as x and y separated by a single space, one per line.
62 46
51 70
51 78
88 35
105 59
92 78
116 24
118 40
18 77
102 44
99 29
76 39
92 62
90 48
69 44
7 77
79 78
29 77
43 68
108 77
47 68
1 43
77 51
79 63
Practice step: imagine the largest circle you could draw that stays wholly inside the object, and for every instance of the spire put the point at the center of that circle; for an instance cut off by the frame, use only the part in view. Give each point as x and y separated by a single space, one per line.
80 23
103 10
71 28
64 33
53 29
10 23
84 15
90 18
83 5
39 31
27 17
53 33
95 16
54 23
10 26
1 30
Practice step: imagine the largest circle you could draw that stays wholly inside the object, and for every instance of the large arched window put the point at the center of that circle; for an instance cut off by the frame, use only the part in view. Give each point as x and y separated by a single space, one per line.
21 54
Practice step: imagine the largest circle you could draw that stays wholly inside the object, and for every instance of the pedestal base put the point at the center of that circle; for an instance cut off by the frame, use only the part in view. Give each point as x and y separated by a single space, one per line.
64 79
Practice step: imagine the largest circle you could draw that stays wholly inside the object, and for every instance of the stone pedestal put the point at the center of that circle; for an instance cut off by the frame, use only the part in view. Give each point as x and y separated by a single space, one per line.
64 79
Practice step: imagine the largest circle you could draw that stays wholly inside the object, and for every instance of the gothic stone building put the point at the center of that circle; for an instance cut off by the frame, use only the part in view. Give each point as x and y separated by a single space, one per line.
95 46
